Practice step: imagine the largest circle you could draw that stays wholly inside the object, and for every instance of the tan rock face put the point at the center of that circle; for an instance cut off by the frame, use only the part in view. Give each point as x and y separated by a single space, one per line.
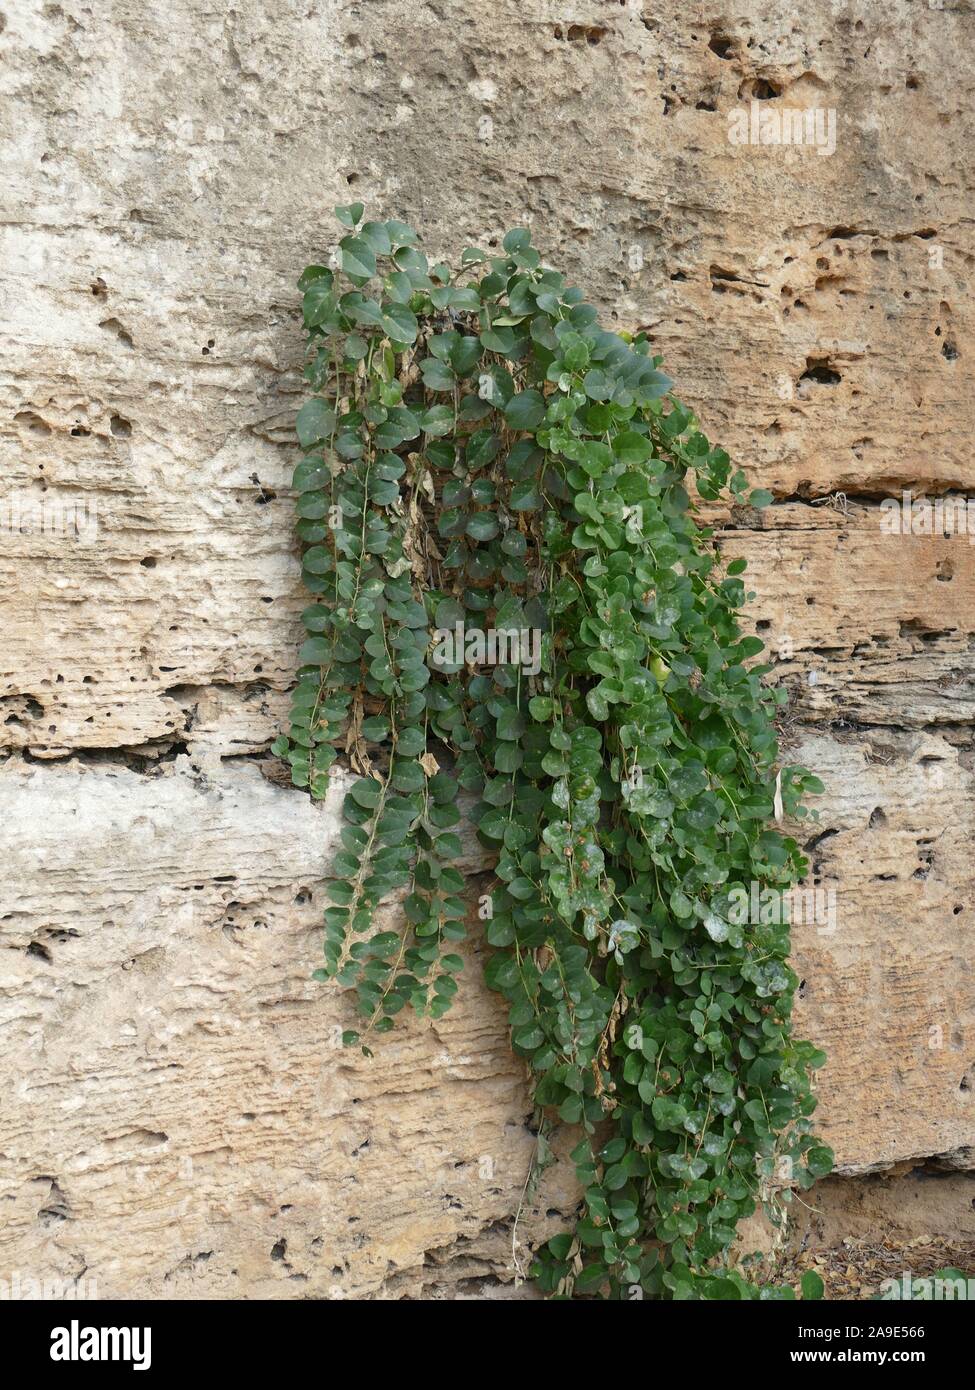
179 1119
182 1113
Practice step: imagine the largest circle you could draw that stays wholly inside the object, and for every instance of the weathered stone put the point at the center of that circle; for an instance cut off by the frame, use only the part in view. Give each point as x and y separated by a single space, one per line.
889 982
179 1120
181 1088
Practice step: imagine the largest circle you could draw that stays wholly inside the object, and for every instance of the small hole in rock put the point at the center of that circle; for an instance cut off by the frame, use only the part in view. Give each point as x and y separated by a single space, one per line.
819 371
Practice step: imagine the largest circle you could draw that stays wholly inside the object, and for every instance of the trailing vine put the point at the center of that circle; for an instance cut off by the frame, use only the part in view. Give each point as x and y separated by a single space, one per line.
513 598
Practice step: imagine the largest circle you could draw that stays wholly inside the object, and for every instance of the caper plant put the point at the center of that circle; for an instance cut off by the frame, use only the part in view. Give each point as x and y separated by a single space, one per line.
512 596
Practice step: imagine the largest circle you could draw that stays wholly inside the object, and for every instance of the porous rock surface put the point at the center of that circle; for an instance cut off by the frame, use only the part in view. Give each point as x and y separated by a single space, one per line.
178 1119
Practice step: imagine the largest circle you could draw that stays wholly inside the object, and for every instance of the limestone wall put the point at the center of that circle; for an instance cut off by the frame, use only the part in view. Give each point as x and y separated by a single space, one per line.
177 1119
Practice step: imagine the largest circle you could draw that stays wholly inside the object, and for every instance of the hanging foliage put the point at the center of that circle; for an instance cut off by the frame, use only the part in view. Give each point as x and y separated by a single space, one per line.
512 598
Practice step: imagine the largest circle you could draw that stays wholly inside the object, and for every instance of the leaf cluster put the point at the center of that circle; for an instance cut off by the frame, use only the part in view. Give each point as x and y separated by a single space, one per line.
479 452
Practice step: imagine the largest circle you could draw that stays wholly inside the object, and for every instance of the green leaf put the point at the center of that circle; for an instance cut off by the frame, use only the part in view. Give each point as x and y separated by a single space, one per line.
632 448
357 257
316 420
366 793
525 497
517 240
349 215
482 526
400 324
819 1161
314 650
526 410
376 237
